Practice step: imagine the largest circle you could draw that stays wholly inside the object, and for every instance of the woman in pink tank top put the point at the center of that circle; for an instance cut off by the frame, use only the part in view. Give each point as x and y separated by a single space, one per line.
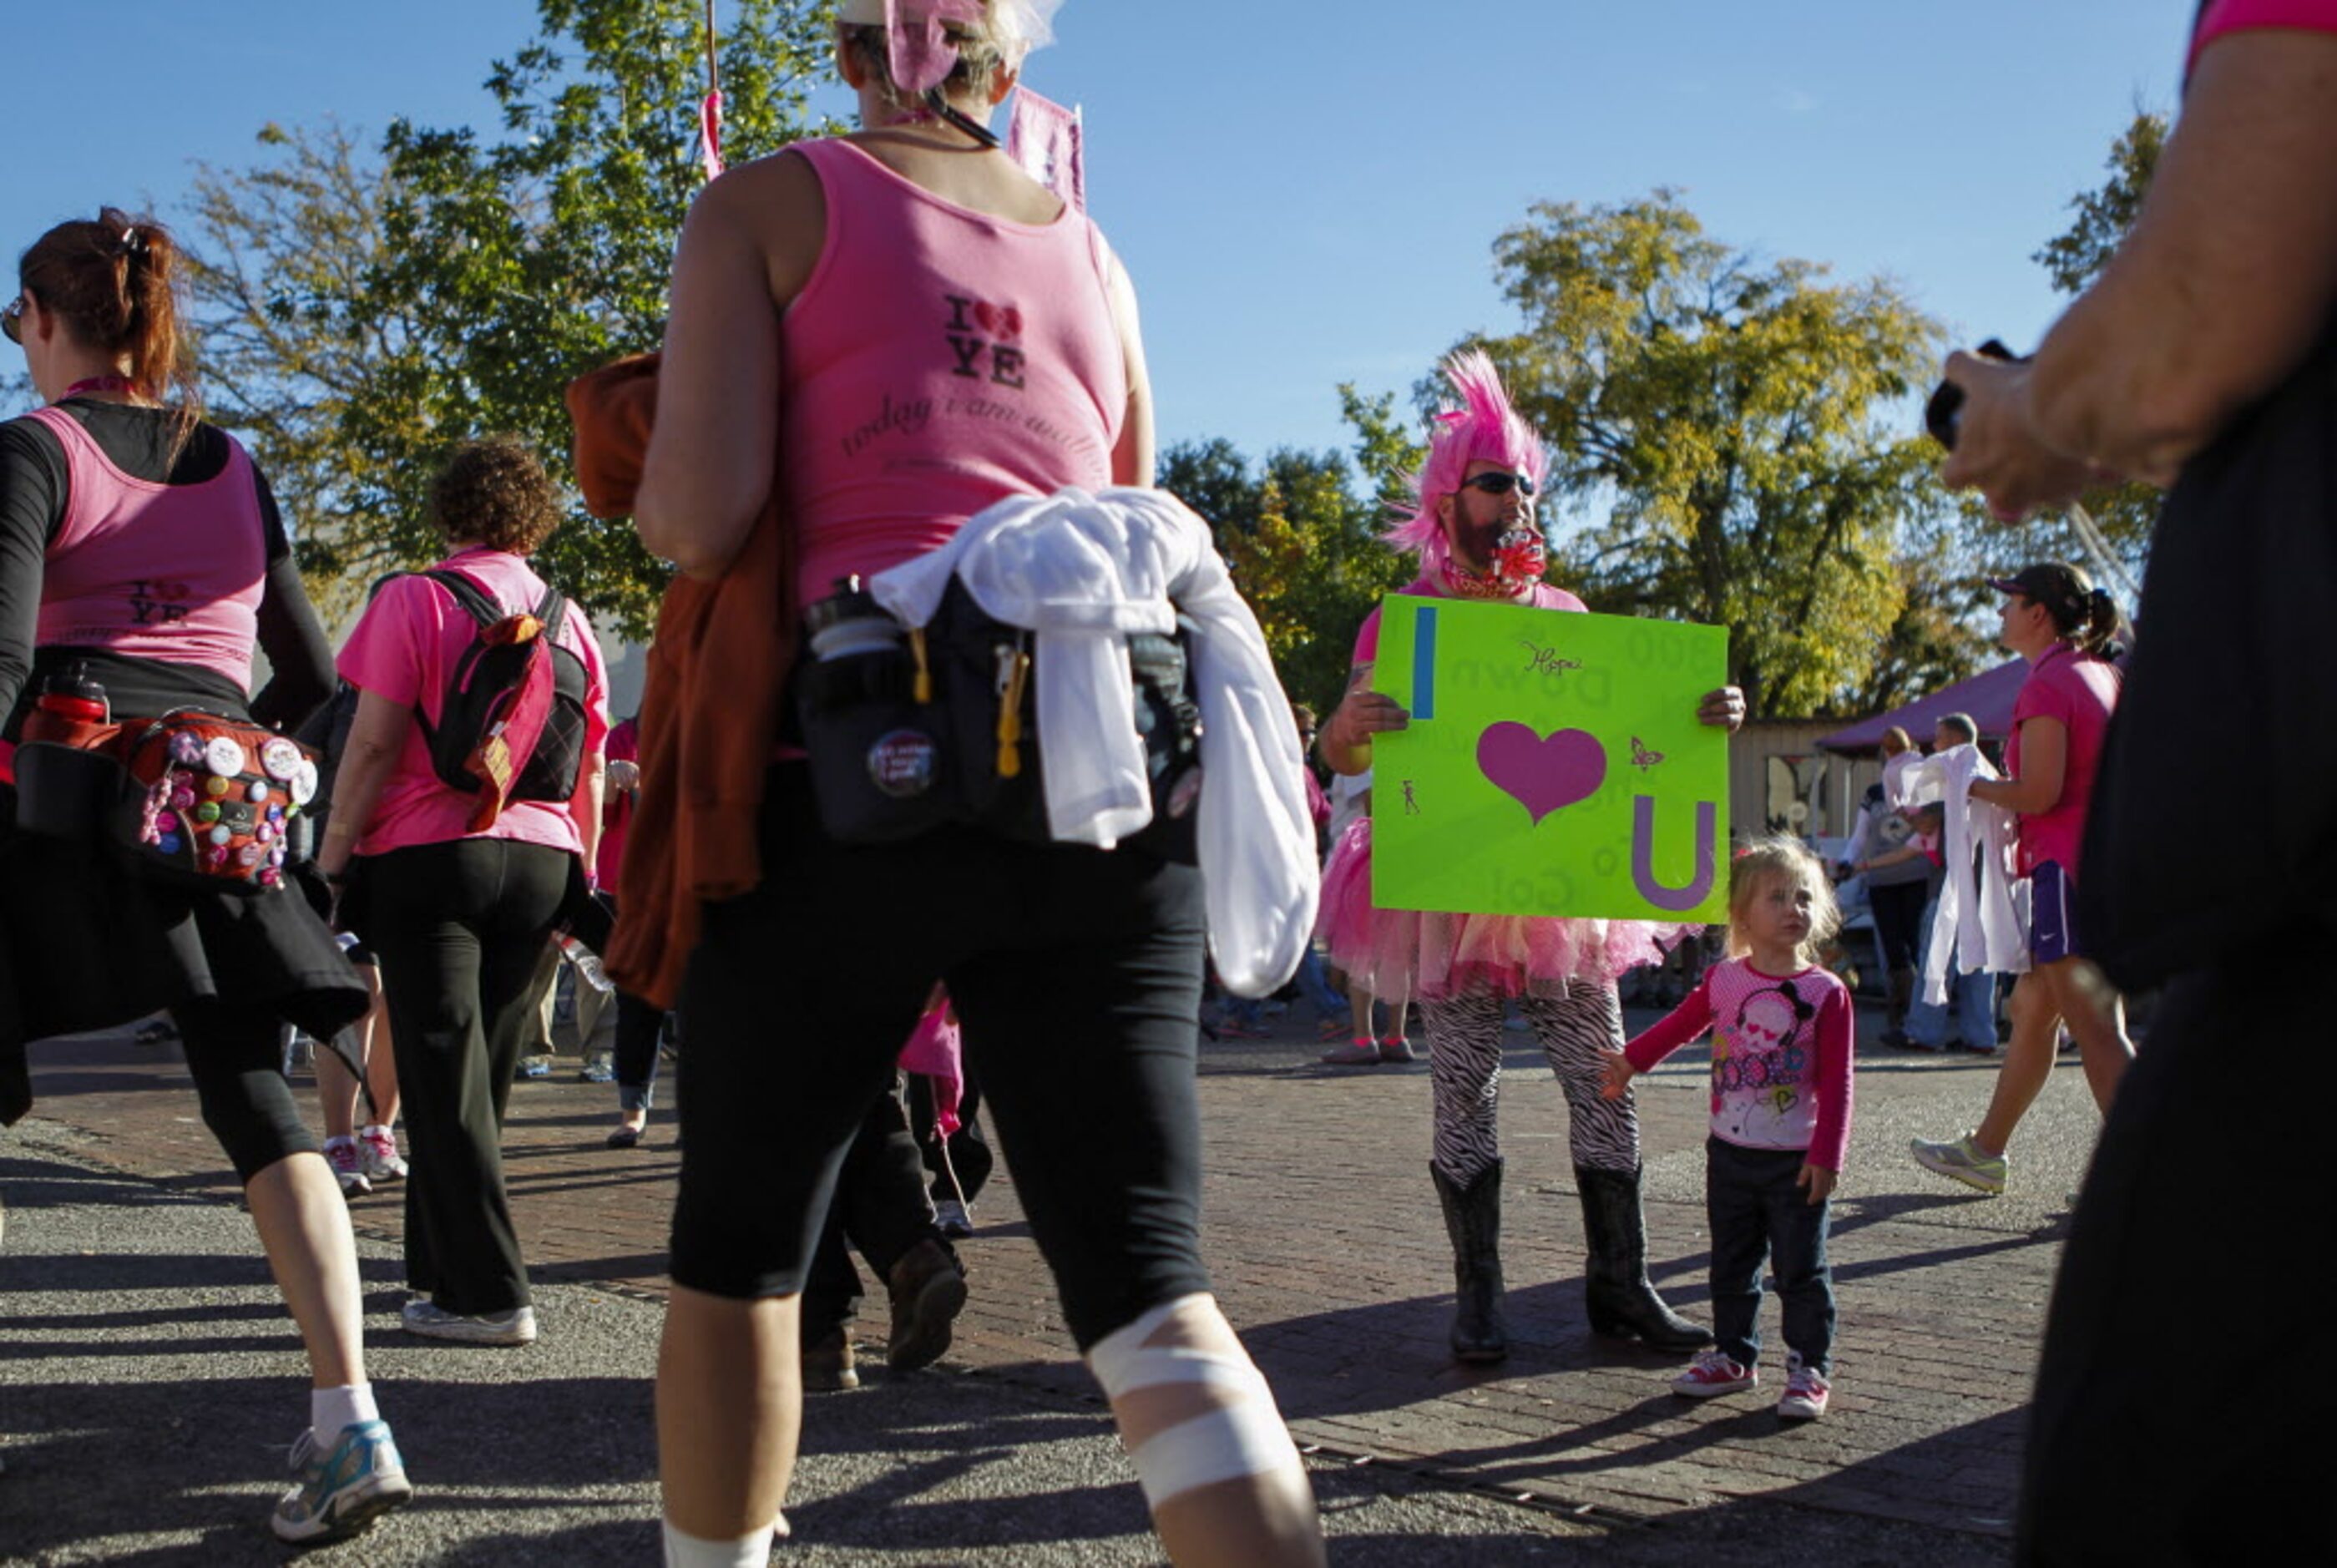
147 549
2061 623
932 332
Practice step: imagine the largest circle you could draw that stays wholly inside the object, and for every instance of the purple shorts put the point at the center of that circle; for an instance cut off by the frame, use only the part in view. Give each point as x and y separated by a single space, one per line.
2052 914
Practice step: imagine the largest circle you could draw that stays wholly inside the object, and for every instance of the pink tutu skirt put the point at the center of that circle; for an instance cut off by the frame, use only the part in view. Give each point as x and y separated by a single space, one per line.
1411 953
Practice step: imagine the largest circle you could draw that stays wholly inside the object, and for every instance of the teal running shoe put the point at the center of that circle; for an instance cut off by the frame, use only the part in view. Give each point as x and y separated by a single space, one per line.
343 1488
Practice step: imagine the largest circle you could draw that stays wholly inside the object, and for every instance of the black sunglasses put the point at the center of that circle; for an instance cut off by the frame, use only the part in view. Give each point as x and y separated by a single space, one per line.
1496 483
12 319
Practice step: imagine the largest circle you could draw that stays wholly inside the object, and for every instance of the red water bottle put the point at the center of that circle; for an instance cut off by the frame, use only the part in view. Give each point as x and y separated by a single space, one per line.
70 708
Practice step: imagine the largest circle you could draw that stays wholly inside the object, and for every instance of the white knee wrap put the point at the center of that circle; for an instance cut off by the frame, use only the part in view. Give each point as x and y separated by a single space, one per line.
1244 1435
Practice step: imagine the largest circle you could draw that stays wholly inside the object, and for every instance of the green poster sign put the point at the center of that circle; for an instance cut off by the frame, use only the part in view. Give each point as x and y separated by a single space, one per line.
1553 765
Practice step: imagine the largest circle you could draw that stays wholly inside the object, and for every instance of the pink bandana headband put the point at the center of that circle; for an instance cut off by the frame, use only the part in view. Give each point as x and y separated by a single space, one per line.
1483 428
916 33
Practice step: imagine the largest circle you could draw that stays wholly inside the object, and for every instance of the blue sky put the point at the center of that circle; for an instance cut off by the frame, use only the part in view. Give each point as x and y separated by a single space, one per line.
1305 193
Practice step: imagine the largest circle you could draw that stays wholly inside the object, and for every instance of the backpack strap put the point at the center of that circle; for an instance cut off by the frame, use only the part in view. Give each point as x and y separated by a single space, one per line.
474 599
552 609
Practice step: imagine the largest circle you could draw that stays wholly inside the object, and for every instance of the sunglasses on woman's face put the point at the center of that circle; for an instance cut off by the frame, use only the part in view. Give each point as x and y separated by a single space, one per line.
12 319
1497 482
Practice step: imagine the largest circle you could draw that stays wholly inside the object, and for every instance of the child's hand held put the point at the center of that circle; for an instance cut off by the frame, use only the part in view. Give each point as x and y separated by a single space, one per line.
1619 1074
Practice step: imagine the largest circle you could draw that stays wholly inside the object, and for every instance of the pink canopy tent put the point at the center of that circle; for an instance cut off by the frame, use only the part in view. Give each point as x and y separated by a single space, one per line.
1987 697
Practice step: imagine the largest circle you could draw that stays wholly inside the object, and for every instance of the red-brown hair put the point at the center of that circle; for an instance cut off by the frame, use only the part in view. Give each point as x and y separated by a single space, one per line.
114 282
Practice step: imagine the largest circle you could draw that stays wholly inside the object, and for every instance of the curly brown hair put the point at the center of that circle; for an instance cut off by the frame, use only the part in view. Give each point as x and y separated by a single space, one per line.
494 493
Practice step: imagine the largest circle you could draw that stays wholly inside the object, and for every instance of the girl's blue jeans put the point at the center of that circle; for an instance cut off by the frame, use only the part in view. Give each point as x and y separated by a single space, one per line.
1758 1214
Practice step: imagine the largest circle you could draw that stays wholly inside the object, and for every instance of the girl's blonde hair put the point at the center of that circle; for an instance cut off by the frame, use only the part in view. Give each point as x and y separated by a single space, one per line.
1778 856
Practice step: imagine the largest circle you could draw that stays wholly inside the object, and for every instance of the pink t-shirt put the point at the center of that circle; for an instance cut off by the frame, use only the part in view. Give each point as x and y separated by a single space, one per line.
170 573
1781 1056
2080 691
938 360
2226 16
1542 597
405 649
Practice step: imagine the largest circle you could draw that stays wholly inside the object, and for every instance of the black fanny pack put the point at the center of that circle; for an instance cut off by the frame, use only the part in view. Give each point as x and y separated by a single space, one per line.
909 730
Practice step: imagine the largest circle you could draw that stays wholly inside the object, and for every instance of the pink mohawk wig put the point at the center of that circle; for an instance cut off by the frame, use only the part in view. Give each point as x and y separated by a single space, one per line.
1484 428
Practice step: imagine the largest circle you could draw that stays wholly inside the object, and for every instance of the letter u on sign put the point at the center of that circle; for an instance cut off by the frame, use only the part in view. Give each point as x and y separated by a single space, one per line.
1643 856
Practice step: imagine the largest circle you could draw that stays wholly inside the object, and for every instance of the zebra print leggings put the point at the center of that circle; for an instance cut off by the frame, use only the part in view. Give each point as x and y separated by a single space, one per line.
1465 1061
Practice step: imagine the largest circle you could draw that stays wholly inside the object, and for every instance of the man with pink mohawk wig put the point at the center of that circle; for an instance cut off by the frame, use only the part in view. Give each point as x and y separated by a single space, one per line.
1472 525
1485 434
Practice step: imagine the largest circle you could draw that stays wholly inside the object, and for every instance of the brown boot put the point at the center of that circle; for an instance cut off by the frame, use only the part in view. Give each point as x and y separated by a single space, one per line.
928 1290
827 1364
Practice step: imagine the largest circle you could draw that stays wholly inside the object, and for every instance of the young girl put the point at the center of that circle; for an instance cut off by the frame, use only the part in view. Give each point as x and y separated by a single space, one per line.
1781 1093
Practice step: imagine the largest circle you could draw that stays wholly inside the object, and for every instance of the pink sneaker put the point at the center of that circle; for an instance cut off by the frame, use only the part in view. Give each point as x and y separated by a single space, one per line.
1714 1372
378 1146
348 1166
1805 1391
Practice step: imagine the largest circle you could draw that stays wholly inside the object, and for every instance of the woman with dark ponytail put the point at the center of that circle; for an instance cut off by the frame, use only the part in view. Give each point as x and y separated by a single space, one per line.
140 558
2062 625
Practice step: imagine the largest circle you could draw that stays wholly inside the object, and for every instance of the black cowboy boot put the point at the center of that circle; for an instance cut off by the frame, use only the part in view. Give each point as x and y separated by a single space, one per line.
1621 1301
1473 1216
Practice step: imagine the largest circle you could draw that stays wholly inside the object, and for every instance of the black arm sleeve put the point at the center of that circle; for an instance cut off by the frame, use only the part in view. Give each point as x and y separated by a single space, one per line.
32 500
300 657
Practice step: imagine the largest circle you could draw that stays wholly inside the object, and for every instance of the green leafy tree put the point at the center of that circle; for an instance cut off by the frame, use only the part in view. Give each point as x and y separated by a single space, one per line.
1301 546
2125 514
290 343
2075 258
1730 438
483 272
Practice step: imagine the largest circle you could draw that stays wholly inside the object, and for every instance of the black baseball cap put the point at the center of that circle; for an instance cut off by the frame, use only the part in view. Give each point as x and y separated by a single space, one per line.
2047 582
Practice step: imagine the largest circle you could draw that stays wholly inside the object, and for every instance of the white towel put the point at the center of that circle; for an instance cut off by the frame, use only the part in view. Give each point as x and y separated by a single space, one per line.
1082 572
1978 919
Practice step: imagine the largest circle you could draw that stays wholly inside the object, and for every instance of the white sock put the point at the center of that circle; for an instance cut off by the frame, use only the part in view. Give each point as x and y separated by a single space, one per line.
750 1550
344 1142
330 1409
373 1127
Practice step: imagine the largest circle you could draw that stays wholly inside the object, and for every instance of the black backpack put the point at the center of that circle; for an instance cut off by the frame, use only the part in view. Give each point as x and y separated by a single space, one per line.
486 678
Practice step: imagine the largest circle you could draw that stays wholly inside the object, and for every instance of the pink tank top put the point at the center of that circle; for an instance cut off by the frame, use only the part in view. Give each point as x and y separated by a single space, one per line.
170 573
939 360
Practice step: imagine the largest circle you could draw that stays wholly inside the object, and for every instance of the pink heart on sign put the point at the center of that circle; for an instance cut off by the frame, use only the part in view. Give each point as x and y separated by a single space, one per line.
1541 774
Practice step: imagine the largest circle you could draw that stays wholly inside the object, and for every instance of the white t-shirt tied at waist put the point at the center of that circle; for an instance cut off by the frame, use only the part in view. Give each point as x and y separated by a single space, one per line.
1082 572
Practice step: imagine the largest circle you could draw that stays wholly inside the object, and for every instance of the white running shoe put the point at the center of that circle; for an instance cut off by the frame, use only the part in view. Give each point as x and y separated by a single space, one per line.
348 1164
378 1146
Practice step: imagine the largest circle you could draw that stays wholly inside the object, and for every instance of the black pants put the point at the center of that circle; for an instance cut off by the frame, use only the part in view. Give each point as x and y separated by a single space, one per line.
460 928
880 1211
1077 976
1899 920
2190 1258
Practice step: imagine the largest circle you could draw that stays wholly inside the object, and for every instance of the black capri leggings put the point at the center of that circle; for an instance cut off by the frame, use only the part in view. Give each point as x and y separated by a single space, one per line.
1077 976
236 1057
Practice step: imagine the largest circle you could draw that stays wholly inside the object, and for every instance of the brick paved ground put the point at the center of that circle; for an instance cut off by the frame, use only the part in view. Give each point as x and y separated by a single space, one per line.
1330 1256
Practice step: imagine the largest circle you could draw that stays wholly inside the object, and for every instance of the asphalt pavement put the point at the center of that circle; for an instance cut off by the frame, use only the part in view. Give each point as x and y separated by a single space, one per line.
151 1383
